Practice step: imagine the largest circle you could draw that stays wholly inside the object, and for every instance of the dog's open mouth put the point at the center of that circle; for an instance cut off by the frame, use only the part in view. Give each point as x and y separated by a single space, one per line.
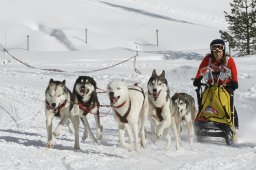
84 91
113 100
56 109
156 94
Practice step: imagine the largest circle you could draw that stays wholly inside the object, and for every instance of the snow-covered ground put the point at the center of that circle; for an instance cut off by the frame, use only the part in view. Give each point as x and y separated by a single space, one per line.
116 28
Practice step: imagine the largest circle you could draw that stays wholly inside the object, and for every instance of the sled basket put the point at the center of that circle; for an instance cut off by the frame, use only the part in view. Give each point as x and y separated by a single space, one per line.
216 106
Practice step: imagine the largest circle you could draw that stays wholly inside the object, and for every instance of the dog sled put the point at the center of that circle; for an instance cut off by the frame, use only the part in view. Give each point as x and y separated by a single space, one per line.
215 114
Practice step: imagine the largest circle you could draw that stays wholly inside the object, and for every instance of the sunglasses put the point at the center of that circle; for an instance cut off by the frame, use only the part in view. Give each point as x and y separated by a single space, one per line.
218 47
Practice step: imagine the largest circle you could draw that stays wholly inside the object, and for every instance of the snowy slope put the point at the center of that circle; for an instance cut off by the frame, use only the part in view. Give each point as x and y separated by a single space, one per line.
115 29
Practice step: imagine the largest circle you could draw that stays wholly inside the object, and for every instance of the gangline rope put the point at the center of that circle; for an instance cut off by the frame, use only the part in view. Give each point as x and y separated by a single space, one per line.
90 71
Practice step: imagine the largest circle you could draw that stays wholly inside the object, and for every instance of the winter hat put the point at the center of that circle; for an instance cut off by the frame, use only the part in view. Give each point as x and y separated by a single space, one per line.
217 41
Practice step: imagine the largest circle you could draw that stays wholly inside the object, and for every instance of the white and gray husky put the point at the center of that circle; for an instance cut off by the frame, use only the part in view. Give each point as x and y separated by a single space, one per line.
130 109
60 102
160 115
85 91
185 112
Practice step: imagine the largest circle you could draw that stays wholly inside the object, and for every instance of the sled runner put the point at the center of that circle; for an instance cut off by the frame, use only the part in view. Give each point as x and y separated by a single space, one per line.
215 114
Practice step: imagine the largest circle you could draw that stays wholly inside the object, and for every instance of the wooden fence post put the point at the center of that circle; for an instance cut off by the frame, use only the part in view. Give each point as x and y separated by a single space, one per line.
27 42
157 38
86 30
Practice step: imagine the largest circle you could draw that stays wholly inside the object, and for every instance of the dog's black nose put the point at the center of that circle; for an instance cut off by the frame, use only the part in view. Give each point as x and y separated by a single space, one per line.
154 90
111 94
53 105
82 88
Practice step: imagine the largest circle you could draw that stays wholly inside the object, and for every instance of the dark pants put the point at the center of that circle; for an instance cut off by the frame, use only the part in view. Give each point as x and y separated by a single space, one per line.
231 92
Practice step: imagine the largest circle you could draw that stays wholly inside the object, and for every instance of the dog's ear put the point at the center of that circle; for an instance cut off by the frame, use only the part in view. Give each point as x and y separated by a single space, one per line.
174 97
187 103
162 74
154 73
94 84
51 81
63 82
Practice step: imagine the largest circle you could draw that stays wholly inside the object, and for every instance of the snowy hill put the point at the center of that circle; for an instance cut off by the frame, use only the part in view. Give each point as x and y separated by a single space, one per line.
59 25
115 30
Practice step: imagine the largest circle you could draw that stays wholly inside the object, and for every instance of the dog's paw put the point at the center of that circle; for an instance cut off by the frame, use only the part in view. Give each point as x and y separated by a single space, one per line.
178 147
49 144
85 136
99 135
137 147
167 148
129 148
160 134
93 137
143 143
77 148
56 133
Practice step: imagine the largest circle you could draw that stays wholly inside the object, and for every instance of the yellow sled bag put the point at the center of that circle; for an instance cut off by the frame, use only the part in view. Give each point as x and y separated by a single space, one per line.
215 105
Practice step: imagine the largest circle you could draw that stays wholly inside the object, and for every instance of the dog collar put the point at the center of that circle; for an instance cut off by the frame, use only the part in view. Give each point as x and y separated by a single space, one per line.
49 107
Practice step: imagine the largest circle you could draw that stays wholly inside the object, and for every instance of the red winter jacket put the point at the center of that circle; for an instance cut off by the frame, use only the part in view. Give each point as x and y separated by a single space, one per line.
231 65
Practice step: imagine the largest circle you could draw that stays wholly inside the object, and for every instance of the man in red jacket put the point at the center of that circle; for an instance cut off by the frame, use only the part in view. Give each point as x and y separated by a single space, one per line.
216 60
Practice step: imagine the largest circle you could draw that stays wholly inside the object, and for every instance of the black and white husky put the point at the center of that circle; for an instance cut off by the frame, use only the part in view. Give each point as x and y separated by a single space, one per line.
185 113
85 91
130 109
60 102
160 116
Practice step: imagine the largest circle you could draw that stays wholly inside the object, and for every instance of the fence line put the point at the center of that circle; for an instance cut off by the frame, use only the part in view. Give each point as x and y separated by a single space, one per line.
26 64
105 68
90 71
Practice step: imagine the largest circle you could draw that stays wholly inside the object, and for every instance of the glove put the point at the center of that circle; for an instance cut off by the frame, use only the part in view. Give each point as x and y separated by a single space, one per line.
232 85
197 81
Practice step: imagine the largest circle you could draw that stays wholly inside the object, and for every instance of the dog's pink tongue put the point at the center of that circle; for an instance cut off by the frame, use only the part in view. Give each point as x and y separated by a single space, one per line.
156 94
113 100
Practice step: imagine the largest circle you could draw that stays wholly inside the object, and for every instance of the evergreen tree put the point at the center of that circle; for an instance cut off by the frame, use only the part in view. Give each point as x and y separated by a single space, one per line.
241 33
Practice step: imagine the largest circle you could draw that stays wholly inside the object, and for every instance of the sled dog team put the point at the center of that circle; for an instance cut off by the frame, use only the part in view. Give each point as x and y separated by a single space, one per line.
131 107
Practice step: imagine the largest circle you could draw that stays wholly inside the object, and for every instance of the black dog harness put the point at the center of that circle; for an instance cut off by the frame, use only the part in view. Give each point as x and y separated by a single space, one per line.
158 113
87 107
124 118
